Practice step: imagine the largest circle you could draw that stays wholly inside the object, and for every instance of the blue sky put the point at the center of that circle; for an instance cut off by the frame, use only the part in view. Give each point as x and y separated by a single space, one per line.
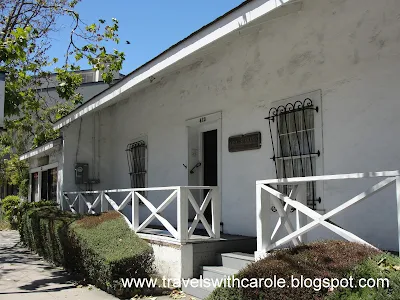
151 25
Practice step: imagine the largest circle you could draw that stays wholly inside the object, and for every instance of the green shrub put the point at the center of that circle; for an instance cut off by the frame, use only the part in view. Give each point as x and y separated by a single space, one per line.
44 230
102 248
13 208
381 266
24 206
9 207
109 251
330 259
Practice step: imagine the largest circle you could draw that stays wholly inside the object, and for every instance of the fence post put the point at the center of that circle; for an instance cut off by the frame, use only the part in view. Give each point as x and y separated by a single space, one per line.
81 204
103 202
301 219
398 208
182 214
62 201
135 211
216 212
263 218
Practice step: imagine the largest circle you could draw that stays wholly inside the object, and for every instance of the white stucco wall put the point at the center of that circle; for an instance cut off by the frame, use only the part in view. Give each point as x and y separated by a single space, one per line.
173 261
348 49
87 91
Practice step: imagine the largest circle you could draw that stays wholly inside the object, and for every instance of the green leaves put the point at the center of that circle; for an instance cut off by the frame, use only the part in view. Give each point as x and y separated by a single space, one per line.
91 28
96 53
68 84
24 44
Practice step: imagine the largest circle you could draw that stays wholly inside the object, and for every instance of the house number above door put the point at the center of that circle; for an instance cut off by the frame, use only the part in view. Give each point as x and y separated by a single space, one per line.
203 119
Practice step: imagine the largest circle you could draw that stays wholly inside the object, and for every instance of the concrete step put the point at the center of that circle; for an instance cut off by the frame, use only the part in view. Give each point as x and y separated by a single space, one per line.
236 260
217 272
197 289
230 264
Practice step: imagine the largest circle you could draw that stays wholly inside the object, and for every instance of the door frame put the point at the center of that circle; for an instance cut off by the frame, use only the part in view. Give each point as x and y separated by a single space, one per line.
39 170
203 124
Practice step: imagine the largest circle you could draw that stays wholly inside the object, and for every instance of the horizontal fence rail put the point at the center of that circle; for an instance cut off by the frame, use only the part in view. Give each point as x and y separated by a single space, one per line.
267 237
77 202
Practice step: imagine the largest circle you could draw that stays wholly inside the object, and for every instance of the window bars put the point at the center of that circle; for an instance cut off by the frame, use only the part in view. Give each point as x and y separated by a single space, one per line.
294 146
136 154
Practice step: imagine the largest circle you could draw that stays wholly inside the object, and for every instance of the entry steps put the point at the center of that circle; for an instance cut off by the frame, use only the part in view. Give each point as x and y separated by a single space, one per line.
228 265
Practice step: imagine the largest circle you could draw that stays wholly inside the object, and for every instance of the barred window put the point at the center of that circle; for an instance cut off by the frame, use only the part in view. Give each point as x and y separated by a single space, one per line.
295 153
136 154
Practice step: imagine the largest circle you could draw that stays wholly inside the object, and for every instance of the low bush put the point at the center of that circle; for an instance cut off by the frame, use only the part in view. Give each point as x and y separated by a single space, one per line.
110 250
9 207
102 248
12 209
330 259
384 266
45 231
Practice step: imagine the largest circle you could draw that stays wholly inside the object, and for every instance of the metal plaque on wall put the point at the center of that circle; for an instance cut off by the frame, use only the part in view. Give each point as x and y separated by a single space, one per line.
250 141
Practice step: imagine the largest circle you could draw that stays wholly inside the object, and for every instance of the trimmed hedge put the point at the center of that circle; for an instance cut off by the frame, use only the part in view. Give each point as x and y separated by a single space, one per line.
13 207
109 250
9 207
102 248
329 259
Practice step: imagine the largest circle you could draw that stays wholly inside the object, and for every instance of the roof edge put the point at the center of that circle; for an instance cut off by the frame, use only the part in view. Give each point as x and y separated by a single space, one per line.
234 19
41 149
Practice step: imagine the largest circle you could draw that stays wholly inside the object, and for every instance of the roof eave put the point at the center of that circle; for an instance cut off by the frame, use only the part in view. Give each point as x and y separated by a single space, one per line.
41 150
233 20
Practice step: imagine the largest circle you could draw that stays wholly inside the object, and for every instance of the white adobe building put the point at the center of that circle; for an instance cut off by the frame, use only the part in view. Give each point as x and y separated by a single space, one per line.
324 73
44 172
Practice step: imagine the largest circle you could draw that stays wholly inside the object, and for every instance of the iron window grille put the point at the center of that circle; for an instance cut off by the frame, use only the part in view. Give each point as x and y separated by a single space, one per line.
294 152
136 154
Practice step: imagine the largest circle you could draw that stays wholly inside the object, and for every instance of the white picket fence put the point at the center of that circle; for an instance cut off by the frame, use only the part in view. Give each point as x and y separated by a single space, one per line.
77 202
267 238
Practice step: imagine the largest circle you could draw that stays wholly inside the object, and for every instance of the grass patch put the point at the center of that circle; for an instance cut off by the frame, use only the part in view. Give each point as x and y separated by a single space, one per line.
102 248
330 259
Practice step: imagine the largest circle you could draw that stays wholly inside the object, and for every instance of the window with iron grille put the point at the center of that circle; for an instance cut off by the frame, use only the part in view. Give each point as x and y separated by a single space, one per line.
136 154
294 146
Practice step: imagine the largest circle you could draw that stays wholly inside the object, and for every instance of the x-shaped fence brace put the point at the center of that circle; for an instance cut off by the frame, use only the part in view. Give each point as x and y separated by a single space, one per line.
318 219
81 199
155 211
200 214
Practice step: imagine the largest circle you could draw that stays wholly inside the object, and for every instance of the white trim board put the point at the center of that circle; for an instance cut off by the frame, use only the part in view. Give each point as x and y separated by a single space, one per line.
44 168
41 149
235 20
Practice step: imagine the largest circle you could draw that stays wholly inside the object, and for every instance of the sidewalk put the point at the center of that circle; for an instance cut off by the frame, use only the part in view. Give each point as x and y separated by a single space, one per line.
23 274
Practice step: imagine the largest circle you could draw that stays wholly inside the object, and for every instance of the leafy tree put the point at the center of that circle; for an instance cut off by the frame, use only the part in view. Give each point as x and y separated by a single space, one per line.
26 28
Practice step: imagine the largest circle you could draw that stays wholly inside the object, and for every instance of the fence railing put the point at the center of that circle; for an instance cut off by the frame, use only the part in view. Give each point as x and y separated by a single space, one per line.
78 202
267 238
